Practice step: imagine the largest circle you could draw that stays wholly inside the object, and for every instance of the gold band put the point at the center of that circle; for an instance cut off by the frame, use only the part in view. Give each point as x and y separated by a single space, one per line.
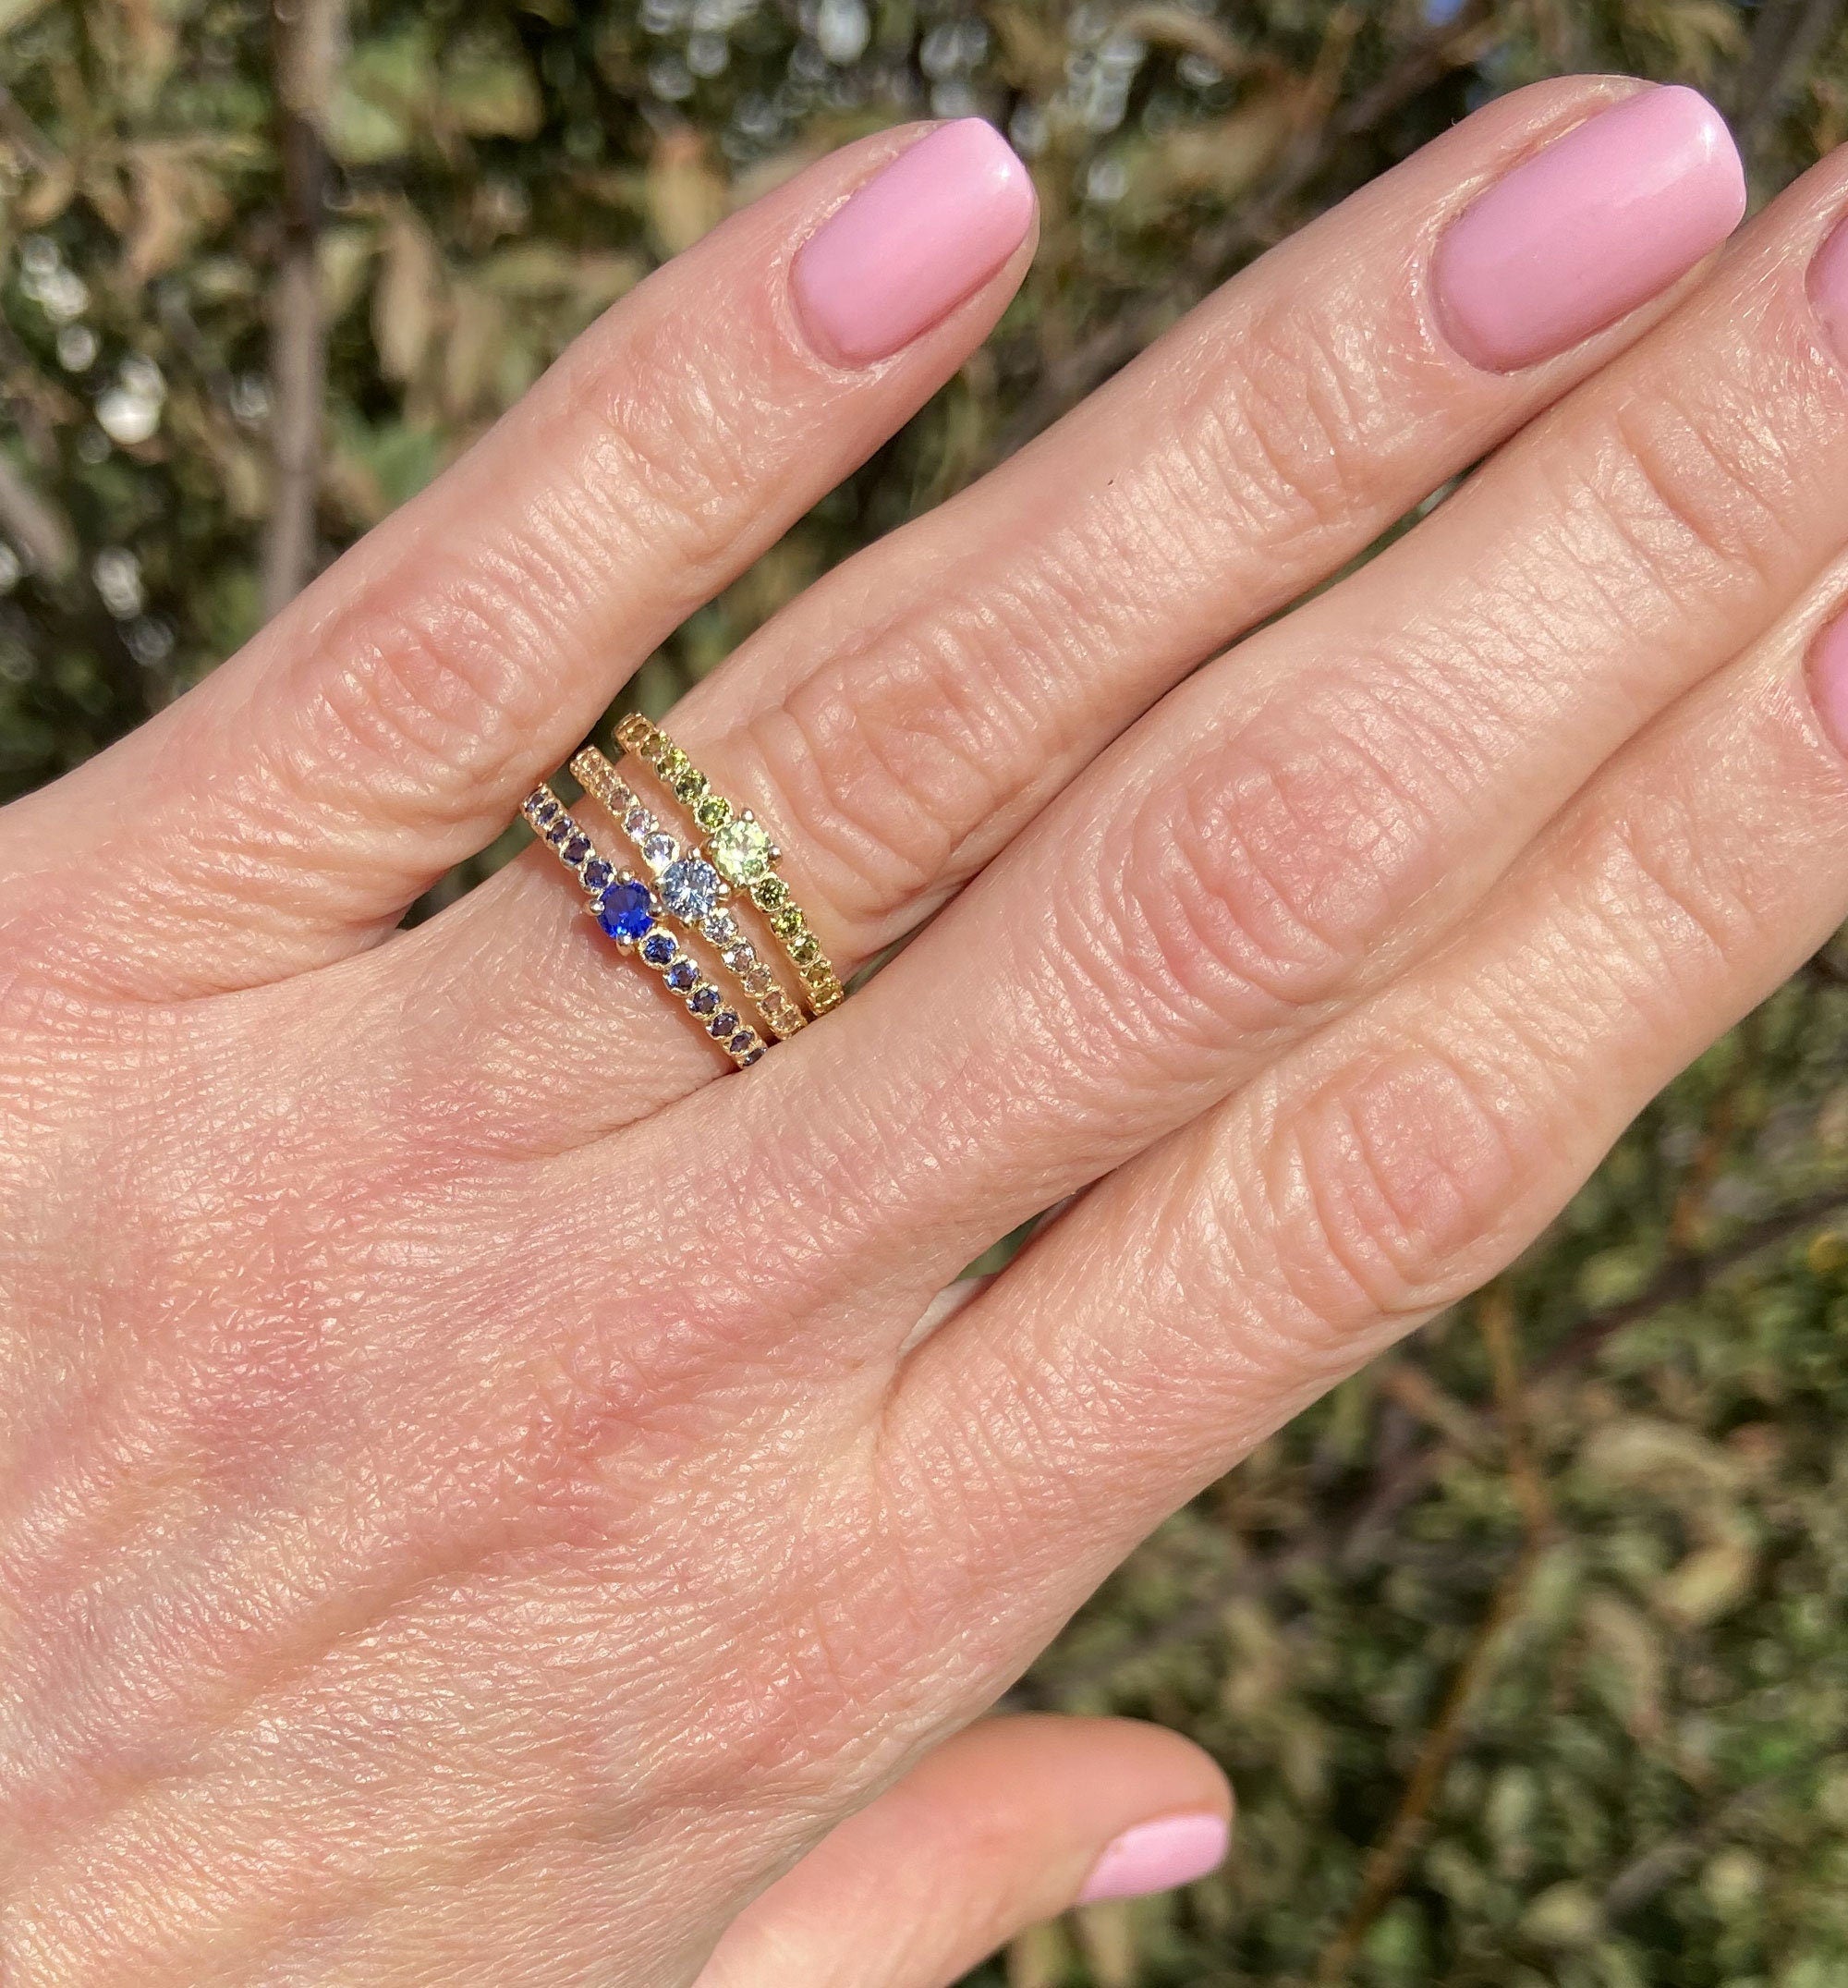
630 914
691 889
740 850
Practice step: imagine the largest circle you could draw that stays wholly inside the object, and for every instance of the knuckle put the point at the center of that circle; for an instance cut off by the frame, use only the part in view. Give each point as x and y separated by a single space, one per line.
1700 498
1296 440
882 776
676 439
1390 1192
435 683
1253 890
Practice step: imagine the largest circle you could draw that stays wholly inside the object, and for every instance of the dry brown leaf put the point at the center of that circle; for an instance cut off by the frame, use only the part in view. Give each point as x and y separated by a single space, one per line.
410 303
686 196
477 327
175 201
1710 1583
1107 1938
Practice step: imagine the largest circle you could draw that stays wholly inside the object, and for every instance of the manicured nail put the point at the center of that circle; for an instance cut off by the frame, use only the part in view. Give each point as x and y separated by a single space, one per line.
1829 287
1829 678
913 242
1596 224
1174 1850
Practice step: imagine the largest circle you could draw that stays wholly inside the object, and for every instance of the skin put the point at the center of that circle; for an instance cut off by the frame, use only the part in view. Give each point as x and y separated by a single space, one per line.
488 1504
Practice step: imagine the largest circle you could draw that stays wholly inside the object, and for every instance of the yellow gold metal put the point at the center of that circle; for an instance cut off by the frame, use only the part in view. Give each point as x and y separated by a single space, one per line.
740 852
664 854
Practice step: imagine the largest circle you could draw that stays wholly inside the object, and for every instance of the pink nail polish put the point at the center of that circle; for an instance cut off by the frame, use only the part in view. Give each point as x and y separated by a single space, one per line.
1829 678
1605 217
1829 287
913 242
1174 1850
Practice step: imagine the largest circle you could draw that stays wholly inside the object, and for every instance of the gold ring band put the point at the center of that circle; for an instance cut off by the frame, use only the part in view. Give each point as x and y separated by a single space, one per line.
629 913
691 889
742 852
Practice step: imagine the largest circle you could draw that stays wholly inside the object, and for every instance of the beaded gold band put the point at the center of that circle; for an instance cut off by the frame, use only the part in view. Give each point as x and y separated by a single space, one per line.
691 888
630 914
740 850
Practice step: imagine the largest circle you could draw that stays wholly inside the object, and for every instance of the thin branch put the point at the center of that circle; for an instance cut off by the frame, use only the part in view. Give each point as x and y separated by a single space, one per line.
308 39
1682 1277
1391 1857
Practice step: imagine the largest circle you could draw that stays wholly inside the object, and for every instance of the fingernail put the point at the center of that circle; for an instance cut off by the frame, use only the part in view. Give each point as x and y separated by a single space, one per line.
1596 224
1829 287
1829 679
913 242
1174 1850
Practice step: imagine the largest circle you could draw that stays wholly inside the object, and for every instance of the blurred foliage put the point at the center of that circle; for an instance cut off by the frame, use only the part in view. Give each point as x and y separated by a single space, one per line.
1529 1650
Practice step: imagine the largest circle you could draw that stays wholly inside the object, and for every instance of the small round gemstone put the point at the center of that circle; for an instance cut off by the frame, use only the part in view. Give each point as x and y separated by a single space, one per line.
542 813
721 927
690 888
755 1056
638 823
690 787
737 958
658 850
576 849
561 831
807 950
741 850
624 911
681 975
769 894
757 979
673 762
713 811
721 1025
659 949
787 923
598 875
741 1042
704 1000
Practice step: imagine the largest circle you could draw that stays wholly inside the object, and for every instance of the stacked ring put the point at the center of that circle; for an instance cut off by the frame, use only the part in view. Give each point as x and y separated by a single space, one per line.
691 888
630 914
740 850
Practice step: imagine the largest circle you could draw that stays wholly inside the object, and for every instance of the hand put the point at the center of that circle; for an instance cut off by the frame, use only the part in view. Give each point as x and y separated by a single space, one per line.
485 1500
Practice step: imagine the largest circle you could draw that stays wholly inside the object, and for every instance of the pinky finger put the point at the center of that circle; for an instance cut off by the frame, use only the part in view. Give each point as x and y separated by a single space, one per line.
1010 1823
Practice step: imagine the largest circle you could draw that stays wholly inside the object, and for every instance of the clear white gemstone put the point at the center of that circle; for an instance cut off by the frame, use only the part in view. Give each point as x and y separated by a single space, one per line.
658 850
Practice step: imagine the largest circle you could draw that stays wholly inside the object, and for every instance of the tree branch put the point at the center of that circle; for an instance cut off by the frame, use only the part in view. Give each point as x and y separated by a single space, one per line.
308 37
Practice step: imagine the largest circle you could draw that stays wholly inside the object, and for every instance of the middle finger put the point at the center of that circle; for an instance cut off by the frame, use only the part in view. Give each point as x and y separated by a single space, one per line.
904 719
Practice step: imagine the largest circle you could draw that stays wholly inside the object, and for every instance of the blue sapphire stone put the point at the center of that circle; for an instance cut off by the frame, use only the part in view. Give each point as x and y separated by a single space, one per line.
542 813
576 849
681 975
721 1025
623 912
741 1042
561 831
658 949
704 1001
598 874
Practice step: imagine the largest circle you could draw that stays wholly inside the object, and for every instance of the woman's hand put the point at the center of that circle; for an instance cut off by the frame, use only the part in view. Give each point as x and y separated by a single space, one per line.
480 1504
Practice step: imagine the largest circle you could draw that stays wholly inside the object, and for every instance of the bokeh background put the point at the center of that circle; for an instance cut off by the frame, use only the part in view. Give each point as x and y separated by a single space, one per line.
1528 1651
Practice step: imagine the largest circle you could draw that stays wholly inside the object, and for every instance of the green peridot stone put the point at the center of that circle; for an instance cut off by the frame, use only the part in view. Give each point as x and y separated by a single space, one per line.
741 853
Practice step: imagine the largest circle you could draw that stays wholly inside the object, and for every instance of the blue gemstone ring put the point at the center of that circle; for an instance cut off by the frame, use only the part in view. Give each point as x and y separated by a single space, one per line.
629 913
